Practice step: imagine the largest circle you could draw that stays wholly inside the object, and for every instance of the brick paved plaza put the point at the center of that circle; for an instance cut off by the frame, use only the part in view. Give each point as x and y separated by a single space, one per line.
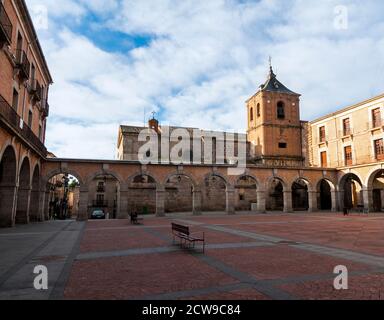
247 257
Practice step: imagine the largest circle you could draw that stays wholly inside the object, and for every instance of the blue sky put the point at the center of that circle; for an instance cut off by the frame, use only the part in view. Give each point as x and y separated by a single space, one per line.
196 62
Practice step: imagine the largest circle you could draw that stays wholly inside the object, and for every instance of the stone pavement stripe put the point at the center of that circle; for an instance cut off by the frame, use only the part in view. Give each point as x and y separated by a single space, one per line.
143 251
344 254
247 234
261 286
14 269
329 251
24 234
196 292
60 284
316 277
188 222
124 253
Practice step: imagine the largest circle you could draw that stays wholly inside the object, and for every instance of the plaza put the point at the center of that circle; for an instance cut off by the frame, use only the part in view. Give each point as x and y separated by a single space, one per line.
248 257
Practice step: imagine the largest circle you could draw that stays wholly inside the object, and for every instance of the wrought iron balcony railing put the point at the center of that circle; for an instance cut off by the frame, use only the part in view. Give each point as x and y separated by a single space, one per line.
36 90
10 117
99 203
45 108
100 188
5 26
23 64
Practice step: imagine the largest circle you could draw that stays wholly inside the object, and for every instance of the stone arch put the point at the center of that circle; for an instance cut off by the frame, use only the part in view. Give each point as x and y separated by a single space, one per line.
142 193
105 172
351 191
55 203
185 174
180 190
276 187
24 192
215 189
71 172
139 173
246 196
375 190
104 193
300 194
325 189
8 177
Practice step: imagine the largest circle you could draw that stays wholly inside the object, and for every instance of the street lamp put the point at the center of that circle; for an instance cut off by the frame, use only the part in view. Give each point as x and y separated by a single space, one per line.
65 197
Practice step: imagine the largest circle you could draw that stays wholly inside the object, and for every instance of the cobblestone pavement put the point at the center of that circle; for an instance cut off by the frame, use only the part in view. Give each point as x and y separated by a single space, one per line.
256 257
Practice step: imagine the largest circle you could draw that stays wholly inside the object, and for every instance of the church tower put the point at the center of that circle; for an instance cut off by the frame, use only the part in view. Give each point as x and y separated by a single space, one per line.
274 126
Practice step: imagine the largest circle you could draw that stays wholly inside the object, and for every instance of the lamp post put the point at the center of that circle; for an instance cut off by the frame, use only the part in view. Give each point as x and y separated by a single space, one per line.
65 197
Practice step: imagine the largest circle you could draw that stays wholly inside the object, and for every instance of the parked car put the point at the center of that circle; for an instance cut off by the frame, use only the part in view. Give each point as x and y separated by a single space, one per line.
98 214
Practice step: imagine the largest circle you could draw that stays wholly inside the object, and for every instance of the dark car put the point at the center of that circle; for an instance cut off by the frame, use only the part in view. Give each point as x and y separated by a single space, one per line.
98 214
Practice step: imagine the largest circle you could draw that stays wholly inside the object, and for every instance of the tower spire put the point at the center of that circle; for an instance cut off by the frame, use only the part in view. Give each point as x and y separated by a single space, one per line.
271 73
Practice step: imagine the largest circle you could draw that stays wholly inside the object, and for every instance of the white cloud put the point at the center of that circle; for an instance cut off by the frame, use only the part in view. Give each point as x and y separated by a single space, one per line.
205 59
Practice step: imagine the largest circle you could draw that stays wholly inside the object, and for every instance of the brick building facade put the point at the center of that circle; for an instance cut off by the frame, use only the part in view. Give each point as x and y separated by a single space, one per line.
291 165
24 108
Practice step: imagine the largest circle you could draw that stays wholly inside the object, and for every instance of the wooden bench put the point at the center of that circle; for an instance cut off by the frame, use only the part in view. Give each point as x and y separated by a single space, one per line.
135 218
185 236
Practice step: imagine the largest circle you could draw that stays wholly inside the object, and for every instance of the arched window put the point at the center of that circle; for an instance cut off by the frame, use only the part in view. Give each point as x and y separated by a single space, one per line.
251 115
280 110
258 110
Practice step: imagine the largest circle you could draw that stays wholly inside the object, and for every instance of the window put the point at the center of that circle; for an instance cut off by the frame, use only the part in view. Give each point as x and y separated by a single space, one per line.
251 115
348 156
322 137
100 186
323 159
346 127
15 100
376 118
280 110
258 110
30 118
282 145
379 149
33 72
40 132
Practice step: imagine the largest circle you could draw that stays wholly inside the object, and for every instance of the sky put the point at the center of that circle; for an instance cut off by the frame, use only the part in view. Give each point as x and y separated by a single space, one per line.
196 62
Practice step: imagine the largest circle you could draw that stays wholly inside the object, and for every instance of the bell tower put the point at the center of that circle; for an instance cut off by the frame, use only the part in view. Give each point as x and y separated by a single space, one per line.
274 126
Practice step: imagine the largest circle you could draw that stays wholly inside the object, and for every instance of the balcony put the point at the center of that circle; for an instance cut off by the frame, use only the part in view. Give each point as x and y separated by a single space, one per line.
45 108
375 124
5 26
99 203
9 116
22 64
35 90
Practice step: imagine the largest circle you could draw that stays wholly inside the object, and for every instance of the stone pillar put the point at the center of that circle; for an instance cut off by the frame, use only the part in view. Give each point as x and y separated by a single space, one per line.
8 202
34 206
382 199
368 200
83 206
261 202
312 201
23 204
46 205
230 201
197 202
288 202
41 205
123 212
160 202
334 200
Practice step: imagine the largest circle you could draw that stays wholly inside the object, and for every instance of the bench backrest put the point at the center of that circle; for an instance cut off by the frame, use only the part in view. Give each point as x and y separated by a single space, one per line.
180 228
